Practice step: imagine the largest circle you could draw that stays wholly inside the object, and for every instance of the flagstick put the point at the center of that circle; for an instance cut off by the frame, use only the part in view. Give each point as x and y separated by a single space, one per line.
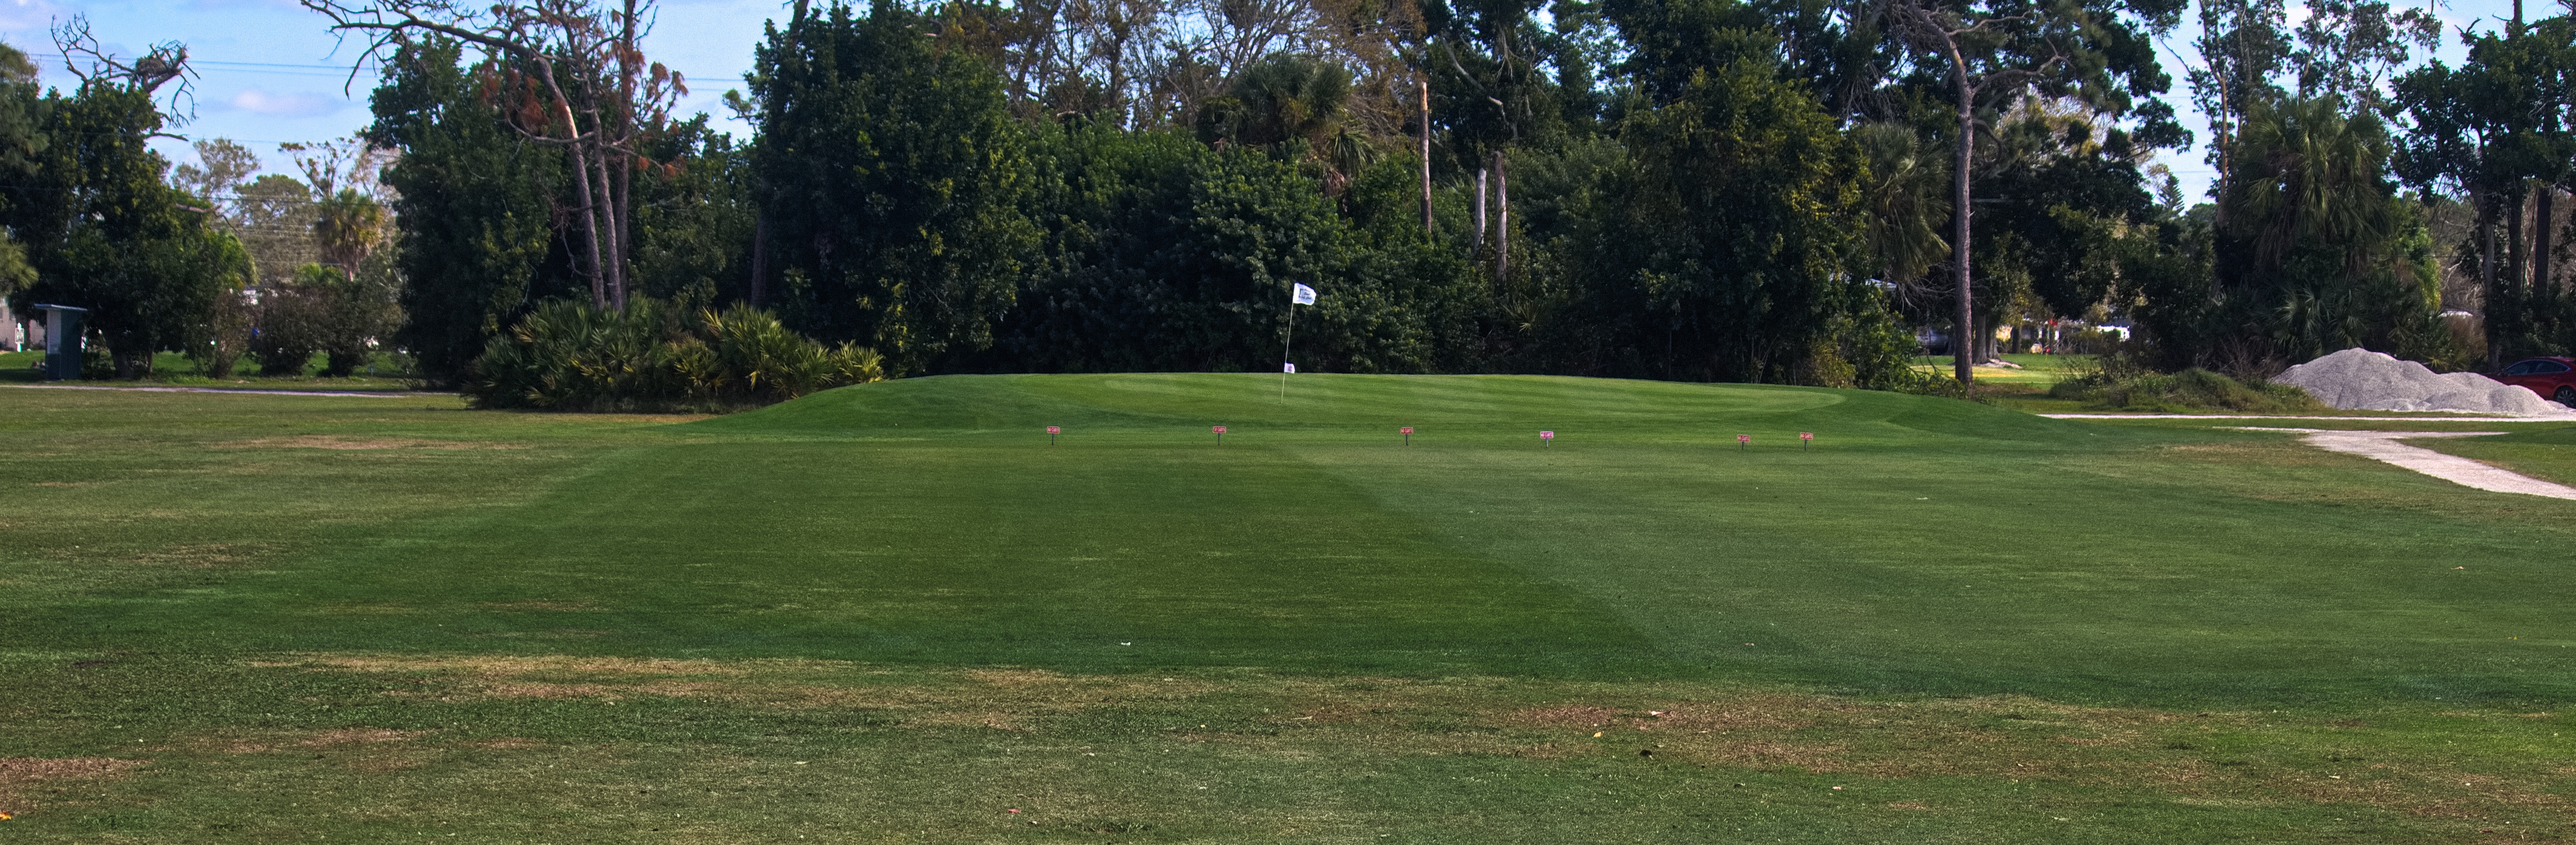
1283 345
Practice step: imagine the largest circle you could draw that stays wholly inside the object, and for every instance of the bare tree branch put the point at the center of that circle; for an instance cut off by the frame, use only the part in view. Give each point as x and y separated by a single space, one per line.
92 64
569 73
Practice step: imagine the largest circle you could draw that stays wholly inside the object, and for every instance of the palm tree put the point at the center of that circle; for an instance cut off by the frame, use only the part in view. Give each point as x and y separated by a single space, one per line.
2308 174
347 226
2313 248
1290 97
1906 207
1296 103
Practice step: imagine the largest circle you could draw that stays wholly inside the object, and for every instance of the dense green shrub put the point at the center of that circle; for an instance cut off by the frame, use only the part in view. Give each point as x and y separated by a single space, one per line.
225 337
569 356
323 310
290 323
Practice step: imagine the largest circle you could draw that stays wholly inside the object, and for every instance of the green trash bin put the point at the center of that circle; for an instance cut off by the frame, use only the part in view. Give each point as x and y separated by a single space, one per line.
62 341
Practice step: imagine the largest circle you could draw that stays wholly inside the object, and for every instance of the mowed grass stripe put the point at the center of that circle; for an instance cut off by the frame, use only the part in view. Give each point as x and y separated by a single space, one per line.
1924 545
1857 571
953 554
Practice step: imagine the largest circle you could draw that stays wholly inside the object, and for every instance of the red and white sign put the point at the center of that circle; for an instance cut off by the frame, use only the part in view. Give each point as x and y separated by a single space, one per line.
1405 430
1547 435
1218 429
1806 435
1055 429
1744 438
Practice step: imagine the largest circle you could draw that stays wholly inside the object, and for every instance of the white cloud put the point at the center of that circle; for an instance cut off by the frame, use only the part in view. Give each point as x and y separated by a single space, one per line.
261 102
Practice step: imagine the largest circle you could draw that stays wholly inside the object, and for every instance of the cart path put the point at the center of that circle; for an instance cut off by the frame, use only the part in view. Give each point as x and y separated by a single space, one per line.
402 395
2383 446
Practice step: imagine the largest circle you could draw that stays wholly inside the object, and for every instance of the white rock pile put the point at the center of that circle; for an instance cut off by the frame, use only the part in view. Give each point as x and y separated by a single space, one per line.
2359 379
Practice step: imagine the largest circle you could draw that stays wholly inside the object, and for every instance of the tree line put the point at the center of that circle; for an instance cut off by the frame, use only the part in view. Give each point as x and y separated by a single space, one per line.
1680 189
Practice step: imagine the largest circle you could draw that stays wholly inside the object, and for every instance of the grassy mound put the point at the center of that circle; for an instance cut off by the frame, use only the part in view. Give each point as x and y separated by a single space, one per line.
2191 390
1485 410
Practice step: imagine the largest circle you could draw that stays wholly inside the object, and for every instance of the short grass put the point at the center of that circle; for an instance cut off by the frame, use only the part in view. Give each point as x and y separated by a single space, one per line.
896 613
171 368
2037 371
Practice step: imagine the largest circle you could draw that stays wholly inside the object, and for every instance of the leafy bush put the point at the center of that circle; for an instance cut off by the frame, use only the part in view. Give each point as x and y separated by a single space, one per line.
290 324
323 310
227 336
569 356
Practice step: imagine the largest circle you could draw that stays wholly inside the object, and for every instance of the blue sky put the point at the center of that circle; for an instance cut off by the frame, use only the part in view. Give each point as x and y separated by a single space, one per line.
272 72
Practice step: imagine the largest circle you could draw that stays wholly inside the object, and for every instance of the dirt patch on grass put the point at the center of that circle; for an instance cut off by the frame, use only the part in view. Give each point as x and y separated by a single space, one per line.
503 665
351 736
665 689
22 777
366 609
202 555
20 770
2284 452
2173 755
340 443
539 605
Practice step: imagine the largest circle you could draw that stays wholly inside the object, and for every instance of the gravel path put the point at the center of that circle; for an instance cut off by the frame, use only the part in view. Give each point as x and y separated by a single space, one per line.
2383 446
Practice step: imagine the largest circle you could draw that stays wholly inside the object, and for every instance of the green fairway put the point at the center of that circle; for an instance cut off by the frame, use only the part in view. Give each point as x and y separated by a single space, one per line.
2149 632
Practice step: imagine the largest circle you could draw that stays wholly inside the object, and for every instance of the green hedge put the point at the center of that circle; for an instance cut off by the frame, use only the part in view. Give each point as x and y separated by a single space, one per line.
569 356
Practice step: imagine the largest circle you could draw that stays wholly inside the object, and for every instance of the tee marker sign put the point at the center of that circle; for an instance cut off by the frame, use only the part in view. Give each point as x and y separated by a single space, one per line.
1220 432
1743 440
1407 431
1804 438
1052 431
1545 436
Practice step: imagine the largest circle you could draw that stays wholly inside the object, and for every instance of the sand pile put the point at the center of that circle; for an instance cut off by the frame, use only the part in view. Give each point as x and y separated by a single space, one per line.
2360 379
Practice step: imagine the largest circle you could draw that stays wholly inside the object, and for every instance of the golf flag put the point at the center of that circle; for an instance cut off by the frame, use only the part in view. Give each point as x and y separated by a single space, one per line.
1288 368
1304 295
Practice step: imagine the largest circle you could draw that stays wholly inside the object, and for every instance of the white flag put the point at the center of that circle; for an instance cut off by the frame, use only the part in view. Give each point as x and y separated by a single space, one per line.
1304 296
1290 368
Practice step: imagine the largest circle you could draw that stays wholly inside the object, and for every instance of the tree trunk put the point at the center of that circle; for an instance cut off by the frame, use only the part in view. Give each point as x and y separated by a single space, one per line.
1426 159
1480 206
2514 268
2543 219
589 225
610 256
623 219
2494 311
1962 349
759 258
590 228
1502 219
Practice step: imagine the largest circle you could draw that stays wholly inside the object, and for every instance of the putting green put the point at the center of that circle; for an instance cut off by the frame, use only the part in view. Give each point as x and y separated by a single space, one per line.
1920 545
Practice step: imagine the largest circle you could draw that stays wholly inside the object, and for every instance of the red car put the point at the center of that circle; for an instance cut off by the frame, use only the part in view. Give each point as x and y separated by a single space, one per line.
2553 377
